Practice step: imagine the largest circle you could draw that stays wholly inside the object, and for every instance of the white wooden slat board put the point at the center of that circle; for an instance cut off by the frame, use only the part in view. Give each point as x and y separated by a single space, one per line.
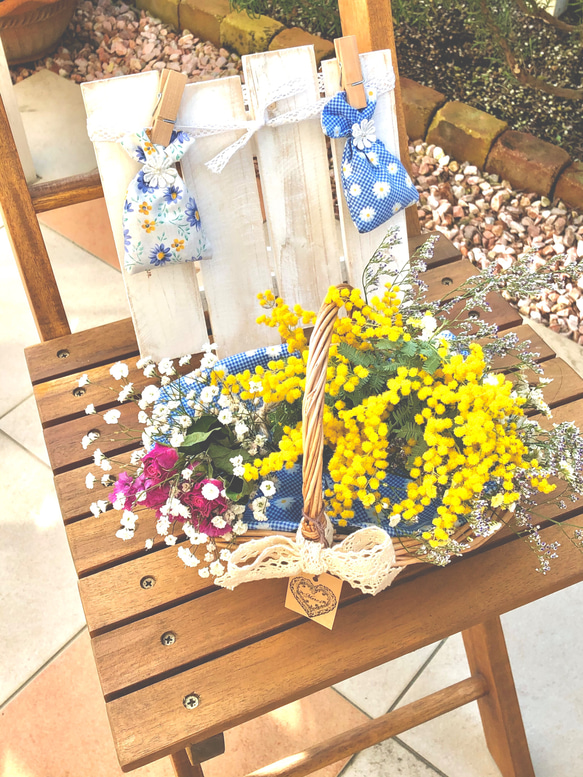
231 215
358 248
295 178
165 304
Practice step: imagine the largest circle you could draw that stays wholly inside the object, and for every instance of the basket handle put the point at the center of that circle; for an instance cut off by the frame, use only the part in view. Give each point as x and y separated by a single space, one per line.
312 416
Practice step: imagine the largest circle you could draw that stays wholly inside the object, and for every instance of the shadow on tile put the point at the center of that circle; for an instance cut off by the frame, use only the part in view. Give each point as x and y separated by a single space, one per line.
58 726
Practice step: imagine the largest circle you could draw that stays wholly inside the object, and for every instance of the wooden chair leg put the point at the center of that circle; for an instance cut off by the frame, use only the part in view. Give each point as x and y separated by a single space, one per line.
183 767
499 709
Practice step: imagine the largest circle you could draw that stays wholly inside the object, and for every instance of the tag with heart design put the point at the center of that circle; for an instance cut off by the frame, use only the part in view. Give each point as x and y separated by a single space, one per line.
315 596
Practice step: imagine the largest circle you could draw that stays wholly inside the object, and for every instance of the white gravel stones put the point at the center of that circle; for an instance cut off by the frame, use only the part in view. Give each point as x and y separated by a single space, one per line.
491 222
107 39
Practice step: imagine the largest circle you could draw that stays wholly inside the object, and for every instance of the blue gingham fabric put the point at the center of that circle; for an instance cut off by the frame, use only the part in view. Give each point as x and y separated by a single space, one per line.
161 222
375 183
285 509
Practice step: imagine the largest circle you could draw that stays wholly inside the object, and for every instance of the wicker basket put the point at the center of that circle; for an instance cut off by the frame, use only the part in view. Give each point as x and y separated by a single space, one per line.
314 522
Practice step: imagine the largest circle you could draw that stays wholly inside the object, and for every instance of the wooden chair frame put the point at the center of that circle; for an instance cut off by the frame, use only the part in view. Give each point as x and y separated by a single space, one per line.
467 596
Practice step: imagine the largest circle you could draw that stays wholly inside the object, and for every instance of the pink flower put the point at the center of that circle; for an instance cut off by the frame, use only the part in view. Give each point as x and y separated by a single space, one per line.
203 510
159 462
156 494
127 486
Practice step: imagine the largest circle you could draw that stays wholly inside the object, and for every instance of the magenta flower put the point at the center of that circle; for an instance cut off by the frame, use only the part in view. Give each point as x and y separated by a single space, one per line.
159 463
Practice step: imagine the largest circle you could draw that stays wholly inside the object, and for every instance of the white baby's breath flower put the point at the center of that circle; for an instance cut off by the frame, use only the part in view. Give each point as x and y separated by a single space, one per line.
199 539
186 474
137 456
149 370
143 417
184 359
90 409
106 480
124 534
216 568
241 430
187 557
112 416
491 379
150 394
98 507
219 522
394 520
210 492
145 360
267 488
83 380
149 544
255 386
176 439
238 468
125 392
209 557
170 539
208 360
240 528
105 465
162 525
129 519
203 571
119 501
224 401
90 480
225 554
184 421
119 370
165 380
88 439
166 367
225 416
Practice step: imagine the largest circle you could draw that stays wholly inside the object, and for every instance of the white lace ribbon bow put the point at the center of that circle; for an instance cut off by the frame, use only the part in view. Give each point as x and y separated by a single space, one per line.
365 559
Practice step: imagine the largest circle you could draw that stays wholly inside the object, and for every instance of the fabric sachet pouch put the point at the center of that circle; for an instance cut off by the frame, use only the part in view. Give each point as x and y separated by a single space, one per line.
375 183
161 221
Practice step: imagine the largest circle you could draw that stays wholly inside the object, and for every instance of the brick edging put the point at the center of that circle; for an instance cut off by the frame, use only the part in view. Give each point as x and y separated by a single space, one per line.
464 132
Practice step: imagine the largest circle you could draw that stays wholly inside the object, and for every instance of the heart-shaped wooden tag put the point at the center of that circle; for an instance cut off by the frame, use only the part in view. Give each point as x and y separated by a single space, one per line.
316 597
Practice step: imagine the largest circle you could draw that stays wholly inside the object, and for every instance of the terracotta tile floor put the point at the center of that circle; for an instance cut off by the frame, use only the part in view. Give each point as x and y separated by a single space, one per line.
52 717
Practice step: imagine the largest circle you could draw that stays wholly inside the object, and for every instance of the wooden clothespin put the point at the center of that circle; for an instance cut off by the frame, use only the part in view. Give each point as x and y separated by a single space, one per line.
172 86
350 70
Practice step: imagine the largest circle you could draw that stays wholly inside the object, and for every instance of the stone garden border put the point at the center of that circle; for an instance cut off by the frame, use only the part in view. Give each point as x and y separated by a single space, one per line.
465 133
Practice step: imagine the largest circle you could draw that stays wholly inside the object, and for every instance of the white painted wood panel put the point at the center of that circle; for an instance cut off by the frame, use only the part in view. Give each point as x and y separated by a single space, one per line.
294 172
165 304
358 248
231 214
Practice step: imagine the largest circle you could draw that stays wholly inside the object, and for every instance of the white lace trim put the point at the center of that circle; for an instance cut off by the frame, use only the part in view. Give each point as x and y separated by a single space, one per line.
249 126
365 559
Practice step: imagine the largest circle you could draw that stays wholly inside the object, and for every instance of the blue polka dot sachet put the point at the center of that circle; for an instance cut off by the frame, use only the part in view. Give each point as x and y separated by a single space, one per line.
375 183
161 221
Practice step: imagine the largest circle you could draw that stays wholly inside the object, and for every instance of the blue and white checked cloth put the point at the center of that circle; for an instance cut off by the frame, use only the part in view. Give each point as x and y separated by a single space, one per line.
375 183
285 509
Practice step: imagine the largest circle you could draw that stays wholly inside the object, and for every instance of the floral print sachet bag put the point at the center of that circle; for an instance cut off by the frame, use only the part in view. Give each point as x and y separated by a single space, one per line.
375 183
161 221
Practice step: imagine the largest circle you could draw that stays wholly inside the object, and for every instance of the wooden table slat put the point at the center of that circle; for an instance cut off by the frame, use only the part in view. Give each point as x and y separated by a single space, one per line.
86 349
444 252
152 721
64 440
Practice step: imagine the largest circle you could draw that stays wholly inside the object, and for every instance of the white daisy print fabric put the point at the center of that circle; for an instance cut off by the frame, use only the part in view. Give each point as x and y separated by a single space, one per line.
375 183
161 221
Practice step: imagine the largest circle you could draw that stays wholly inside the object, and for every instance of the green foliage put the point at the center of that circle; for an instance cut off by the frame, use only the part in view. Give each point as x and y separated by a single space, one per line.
316 16
282 415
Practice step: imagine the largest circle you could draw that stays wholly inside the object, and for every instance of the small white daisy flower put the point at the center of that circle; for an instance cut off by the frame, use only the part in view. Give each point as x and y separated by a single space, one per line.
355 190
381 189
347 169
392 168
367 214
397 207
